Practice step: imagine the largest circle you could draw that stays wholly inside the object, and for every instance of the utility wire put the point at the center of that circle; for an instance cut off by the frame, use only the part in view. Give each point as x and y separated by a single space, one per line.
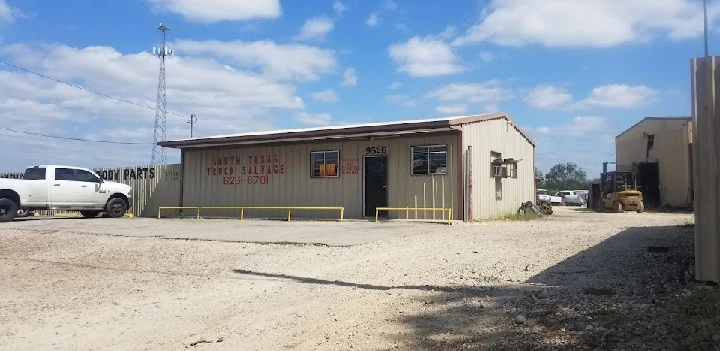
86 89
70 138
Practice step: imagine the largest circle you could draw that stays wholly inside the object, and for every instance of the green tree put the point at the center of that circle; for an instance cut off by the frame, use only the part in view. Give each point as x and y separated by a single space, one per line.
539 178
565 177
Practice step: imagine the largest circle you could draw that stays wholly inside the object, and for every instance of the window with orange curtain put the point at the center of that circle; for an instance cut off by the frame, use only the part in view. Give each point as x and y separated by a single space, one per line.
324 164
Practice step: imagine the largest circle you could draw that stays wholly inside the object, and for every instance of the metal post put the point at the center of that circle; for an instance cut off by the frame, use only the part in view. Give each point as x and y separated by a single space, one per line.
469 181
192 121
705 24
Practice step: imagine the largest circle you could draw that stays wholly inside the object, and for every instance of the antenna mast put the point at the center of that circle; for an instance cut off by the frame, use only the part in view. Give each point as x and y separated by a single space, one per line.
160 131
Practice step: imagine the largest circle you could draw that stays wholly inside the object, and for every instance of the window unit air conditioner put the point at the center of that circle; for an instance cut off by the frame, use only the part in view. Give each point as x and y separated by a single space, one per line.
497 171
505 172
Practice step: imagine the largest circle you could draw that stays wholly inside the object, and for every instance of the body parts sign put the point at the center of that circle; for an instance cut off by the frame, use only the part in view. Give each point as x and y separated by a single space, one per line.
237 170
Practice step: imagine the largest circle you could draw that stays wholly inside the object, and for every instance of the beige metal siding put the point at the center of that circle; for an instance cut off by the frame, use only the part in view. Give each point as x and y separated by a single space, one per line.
152 186
296 188
670 150
496 197
706 131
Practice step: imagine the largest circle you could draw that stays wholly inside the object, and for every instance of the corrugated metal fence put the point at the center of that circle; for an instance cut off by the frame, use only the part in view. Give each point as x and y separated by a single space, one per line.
153 186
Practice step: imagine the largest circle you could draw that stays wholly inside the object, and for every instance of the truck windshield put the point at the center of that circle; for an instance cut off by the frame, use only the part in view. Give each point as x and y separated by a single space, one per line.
34 174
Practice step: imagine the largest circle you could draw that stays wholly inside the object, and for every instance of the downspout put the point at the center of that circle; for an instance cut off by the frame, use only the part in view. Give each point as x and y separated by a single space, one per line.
460 169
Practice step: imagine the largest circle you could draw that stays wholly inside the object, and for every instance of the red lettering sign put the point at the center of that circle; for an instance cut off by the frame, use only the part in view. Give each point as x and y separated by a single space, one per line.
256 169
350 165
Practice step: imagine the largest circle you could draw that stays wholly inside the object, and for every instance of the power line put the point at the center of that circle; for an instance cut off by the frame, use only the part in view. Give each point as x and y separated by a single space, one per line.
85 89
70 138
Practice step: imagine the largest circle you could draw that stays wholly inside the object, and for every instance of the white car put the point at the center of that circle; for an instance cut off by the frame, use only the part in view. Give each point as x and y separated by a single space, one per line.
573 197
542 195
63 188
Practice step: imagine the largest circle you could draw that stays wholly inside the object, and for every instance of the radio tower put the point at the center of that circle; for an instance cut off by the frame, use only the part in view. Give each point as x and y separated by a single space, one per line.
158 153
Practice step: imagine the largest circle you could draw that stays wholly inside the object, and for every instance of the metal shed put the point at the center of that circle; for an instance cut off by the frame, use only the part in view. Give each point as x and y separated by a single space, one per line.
660 149
443 162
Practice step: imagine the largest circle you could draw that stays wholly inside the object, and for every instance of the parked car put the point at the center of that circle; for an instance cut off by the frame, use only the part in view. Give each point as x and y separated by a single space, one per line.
63 188
544 196
572 197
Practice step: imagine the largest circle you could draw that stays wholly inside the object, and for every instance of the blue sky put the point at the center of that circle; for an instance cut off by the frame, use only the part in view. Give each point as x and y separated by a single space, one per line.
572 73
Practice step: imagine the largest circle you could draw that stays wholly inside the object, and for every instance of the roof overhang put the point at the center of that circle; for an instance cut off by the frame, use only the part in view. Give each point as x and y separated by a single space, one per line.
368 131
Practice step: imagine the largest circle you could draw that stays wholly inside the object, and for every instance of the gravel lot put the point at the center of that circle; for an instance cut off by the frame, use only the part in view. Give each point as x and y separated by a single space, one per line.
575 280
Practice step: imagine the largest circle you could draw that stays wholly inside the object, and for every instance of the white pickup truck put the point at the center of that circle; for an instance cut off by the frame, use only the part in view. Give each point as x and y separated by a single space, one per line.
63 188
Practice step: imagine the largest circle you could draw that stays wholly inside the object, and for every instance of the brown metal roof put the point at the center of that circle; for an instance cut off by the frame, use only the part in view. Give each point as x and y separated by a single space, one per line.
340 132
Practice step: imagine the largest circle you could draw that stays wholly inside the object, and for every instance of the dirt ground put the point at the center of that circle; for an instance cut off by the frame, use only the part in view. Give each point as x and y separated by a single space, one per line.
573 280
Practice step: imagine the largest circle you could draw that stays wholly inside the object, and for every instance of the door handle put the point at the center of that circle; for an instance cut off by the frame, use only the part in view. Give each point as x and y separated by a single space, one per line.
56 184
83 186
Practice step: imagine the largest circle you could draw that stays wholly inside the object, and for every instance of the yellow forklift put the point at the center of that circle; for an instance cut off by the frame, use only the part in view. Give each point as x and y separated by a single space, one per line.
618 191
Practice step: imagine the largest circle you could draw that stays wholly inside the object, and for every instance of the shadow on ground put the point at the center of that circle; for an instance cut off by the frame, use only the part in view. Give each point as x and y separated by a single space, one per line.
629 292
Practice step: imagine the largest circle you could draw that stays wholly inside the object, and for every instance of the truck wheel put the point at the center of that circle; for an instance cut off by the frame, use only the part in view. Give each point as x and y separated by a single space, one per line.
8 210
89 214
618 207
116 208
641 207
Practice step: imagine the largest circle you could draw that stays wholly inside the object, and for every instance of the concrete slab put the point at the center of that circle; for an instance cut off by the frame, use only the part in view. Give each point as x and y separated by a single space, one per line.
346 233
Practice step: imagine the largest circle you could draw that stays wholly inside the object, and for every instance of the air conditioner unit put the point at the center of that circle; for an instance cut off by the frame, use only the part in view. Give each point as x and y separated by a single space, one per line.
497 171
505 172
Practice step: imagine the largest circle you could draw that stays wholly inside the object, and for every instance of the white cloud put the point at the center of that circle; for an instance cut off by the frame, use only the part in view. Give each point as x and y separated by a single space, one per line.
399 99
487 57
290 61
390 5
339 7
315 29
372 21
486 94
452 109
605 96
211 11
548 97
425 57
9 14
327 95
349 77
225 100
587 23
314 119
579 126
618 96
395 85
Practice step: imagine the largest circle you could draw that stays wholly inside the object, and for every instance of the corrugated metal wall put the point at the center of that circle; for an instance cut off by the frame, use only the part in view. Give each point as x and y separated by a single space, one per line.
706 132
153 186
496 197
295 187
670 150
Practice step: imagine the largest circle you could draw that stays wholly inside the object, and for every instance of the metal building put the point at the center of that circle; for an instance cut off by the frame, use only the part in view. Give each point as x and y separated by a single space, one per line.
480 166
660 151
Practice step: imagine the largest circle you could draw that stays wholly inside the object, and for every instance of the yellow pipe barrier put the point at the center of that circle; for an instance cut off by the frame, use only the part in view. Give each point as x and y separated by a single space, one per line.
408 209
243 208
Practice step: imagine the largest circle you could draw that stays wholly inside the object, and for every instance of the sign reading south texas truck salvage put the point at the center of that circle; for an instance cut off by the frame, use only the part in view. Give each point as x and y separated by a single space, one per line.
253 169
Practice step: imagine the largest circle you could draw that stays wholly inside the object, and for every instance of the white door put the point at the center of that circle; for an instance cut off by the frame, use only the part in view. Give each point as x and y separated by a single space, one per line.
64 189
91 193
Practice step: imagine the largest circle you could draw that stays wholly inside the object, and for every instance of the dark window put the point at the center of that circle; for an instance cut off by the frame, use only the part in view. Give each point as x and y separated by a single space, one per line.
85 176
429 159
64 174
34 173
324 164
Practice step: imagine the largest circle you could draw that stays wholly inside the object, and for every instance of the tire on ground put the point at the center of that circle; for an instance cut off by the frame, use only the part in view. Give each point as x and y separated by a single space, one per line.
618 207
8 210
116 207
641 207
